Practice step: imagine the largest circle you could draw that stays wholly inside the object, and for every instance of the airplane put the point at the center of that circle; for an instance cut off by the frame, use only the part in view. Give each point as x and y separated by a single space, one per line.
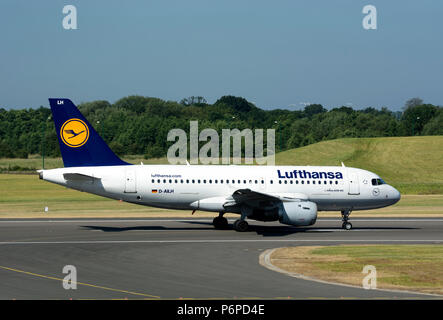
291 195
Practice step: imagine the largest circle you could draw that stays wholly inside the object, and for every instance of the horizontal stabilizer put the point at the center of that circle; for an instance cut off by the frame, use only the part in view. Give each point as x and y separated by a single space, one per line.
79 177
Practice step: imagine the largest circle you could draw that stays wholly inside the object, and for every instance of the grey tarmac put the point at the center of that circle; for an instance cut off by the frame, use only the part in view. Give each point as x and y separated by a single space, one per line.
182 258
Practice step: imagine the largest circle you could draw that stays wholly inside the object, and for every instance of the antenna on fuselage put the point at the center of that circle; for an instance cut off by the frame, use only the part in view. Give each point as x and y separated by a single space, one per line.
343 165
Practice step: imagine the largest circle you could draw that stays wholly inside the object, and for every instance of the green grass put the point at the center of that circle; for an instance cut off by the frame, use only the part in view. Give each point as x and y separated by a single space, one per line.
412 266
412 164
405 267
34 162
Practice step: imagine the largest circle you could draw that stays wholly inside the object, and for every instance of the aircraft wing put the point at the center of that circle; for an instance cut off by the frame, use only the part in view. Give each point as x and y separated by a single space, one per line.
259 199
247 195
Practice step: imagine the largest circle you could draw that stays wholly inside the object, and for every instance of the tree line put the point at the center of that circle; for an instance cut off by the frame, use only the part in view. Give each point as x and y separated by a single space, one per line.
139 125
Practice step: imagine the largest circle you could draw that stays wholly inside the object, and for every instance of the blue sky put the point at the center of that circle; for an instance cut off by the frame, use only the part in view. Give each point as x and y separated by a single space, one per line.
274 53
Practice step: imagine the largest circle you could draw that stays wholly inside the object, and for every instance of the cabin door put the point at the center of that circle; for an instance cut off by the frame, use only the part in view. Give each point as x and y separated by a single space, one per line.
354 186
130 181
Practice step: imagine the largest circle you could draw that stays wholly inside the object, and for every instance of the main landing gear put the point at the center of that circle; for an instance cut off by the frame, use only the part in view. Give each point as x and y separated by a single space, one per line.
346 224
220 222
241 225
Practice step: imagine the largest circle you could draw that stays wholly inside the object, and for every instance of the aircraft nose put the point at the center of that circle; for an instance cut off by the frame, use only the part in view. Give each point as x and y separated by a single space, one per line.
394 195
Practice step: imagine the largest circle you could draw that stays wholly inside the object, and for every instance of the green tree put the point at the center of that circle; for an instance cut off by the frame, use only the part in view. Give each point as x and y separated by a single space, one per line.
435 125
416 117
313 109
238 103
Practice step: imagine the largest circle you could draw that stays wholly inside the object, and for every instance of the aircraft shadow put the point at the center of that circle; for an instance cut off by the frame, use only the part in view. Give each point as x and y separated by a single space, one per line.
265 231
272 231
140 228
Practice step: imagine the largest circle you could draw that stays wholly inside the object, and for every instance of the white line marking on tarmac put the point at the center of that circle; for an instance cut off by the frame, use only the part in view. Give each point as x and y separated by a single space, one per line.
210 220
216 241
306 230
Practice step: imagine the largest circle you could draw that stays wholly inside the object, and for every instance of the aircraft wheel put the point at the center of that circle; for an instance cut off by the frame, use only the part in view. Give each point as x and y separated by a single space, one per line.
241 225
347 225
220 223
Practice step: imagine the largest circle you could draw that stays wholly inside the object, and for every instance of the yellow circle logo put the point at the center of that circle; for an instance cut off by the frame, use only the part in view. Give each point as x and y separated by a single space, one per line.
74 133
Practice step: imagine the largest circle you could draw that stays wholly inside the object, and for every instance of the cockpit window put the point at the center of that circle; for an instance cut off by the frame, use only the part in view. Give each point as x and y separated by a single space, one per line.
377 182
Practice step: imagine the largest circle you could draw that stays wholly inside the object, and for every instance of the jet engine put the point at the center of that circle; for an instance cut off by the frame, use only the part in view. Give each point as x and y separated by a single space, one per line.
299 213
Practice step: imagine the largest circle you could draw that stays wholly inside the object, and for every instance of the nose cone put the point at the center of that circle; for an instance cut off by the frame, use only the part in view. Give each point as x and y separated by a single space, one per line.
394 195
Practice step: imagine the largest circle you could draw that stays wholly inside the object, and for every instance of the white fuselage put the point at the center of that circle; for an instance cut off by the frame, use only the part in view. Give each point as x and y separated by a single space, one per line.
207 188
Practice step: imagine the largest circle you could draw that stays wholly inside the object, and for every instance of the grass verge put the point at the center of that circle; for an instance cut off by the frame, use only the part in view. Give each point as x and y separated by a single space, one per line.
400 267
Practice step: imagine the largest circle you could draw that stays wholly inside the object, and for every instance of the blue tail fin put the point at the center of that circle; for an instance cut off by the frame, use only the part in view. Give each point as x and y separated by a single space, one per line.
80 144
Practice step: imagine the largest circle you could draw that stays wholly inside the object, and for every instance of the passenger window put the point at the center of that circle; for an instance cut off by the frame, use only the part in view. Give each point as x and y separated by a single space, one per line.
336 182
153 180
272 182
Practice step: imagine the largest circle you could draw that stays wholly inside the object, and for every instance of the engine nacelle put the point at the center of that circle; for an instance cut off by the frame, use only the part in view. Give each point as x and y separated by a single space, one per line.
299 213
210 204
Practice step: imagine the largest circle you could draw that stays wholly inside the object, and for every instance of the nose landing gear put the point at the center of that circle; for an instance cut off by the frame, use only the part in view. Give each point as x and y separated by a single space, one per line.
345 218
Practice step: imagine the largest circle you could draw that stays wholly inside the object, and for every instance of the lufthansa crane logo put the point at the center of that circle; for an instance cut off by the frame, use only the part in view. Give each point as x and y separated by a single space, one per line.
74 133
